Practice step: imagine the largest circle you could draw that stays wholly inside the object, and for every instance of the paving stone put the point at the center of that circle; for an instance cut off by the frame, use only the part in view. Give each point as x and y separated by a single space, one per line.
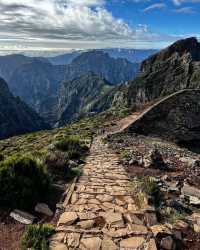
93 243
72 240
114 219
94 220
67 218
59 237
132 218
132 243
87 216
108 244
57 246
86 224
104 198
138 229
151 245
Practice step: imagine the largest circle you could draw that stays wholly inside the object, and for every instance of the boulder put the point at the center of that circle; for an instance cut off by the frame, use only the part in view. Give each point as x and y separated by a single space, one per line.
22 217
190 191
43 209
194 201
154 159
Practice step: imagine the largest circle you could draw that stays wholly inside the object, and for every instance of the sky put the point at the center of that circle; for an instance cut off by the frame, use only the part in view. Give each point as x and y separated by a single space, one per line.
63 25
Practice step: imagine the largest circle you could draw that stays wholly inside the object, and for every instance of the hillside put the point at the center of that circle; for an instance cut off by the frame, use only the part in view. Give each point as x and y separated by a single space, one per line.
38 84
113 70
174 68
9 63
77 97
15 116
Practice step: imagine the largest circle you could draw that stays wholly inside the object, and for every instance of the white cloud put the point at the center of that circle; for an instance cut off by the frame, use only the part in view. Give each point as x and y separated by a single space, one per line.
66 23
185 10
155 6
180 2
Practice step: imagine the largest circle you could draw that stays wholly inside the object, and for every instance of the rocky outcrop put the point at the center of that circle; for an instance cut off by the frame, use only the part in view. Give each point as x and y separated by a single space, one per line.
176 118
172 69
78 96
15 116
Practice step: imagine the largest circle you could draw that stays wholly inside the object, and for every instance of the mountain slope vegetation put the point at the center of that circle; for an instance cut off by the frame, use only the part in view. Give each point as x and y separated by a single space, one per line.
15 116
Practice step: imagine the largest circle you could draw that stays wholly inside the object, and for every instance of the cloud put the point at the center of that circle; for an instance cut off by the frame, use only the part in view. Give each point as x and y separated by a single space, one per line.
180 2
67 23
155 6
185 10
59 19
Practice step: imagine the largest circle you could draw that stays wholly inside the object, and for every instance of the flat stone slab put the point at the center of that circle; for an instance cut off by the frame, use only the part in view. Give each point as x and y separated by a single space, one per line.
22 217
67 218
132 243
93 243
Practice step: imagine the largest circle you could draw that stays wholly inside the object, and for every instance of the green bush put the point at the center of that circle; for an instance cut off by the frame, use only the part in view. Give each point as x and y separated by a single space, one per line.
23 182
35 237
57 164
72 145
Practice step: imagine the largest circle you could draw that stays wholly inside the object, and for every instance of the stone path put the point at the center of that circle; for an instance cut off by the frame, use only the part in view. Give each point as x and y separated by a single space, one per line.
101 214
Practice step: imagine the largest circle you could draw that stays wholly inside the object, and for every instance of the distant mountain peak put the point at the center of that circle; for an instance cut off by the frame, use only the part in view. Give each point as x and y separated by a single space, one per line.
181 47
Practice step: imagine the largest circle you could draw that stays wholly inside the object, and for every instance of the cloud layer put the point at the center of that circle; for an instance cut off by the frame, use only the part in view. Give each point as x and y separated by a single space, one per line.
61 24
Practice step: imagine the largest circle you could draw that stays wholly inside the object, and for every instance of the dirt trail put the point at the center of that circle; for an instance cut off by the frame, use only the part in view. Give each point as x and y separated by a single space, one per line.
101 213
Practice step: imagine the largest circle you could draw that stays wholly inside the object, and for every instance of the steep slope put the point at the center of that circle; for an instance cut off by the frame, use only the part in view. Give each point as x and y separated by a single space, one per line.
9 63
113 70
176 117
37 84
78 96
172 69
15 116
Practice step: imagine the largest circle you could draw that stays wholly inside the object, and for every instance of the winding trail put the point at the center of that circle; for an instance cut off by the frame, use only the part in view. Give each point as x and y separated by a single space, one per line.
101 213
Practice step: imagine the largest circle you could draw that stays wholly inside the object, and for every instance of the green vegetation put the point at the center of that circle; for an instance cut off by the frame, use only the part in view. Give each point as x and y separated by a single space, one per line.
171 215
73 146
23 181
36 237
29 163
146 187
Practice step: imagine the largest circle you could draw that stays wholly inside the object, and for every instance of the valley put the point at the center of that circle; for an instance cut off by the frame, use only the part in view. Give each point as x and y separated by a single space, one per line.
98 154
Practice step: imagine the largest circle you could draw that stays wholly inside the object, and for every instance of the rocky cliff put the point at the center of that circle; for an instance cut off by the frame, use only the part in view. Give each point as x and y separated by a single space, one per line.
37 84
78 96
9 63
172 69
113 70
15 116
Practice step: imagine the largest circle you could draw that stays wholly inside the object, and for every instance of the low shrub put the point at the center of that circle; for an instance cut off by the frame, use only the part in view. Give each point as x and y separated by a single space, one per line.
57 163
23 182
36 237
1 157
72 145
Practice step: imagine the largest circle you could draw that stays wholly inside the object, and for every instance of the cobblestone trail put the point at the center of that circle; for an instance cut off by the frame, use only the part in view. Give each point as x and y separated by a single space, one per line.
101 214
